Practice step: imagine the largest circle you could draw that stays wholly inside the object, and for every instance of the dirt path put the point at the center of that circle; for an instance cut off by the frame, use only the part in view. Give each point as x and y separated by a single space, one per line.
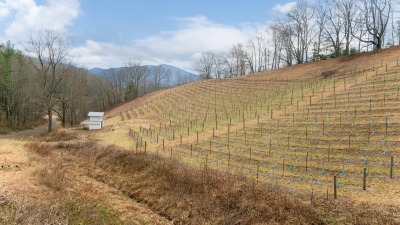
23 133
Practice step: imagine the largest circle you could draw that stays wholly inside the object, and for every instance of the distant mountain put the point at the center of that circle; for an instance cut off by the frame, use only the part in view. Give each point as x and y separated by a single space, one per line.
178 76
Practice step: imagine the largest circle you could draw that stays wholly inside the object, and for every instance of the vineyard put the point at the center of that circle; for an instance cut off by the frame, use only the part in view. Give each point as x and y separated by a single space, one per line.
327 132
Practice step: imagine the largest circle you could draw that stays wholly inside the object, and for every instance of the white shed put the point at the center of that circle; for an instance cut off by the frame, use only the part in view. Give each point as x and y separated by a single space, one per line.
95 121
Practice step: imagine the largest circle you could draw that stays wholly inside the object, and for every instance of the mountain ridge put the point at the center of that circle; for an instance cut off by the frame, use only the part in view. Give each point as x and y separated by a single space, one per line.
178 76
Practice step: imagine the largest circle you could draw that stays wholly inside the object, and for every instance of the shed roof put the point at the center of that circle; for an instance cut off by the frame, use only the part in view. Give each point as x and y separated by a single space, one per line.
96 114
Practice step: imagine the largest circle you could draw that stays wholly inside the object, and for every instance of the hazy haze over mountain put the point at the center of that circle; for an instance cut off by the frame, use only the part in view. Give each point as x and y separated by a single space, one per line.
178 76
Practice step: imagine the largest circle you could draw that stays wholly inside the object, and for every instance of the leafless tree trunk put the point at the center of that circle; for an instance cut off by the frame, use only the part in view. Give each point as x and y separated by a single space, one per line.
136 73
347 12
374 20
300 22
50 49
159 75
205 65
334 27
398 31
71 96
238 54
320 11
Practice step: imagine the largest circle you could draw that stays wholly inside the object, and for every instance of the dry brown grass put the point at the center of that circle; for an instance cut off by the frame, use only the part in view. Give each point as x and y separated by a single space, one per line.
60 202
12 212
40 148
56 136
197 197
67 211
190 196
53 176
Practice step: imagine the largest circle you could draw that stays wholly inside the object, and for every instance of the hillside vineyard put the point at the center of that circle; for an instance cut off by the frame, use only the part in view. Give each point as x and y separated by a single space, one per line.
298 133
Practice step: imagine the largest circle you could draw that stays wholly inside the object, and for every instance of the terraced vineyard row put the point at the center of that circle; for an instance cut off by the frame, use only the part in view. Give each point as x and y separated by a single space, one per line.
293 134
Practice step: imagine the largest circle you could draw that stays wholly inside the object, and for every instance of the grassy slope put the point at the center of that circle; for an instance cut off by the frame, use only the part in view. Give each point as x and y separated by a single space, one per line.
264 127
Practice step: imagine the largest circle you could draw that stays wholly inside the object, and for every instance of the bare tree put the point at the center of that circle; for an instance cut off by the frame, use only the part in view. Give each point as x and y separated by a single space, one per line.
374 21
71 96
320 11
219 68
262 51
334 27
181 79
160 74
398 31
275 29
300 22
250 56
347 11
205 65
136 74
102 90
50 49
283 39
239 55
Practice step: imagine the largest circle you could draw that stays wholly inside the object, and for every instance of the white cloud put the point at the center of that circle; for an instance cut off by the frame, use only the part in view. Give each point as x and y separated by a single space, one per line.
4 11
101 54
198 35
179 47
284 8
24 17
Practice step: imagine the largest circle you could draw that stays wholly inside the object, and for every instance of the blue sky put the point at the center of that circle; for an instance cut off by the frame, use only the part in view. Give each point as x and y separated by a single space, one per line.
105 33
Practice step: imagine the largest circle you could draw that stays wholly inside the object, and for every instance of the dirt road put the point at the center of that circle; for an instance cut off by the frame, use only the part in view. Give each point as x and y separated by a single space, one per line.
36 130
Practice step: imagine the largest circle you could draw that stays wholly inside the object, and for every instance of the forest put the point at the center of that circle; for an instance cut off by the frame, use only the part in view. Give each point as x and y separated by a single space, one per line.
42 82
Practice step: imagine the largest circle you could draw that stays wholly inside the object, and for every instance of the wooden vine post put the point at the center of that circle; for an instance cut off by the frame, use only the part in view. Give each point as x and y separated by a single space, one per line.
391 167
307 162
270 145
334 188
258 169
365 179
329 151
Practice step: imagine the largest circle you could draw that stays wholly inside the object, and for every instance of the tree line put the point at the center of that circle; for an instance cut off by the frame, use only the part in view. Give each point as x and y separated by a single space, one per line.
42 81
135 79
309 32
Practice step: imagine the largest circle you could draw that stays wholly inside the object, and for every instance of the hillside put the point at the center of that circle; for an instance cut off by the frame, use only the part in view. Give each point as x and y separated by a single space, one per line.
297 127
310 144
